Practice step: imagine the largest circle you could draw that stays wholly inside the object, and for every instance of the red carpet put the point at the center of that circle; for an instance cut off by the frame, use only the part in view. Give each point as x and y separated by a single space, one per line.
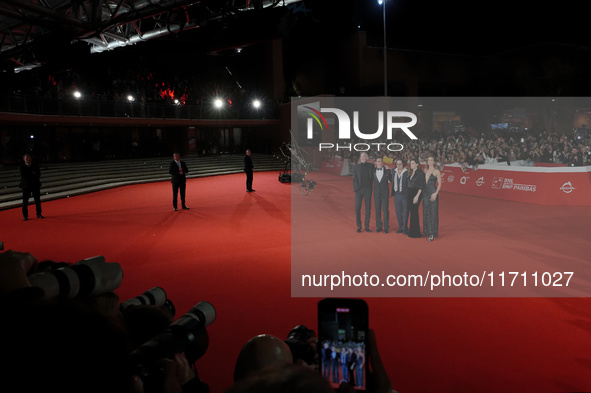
233 249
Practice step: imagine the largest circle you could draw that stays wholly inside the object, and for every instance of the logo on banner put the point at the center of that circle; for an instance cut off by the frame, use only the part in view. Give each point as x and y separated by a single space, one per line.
480 181
463 180
507 184
451 178
497 183
567 188
347 128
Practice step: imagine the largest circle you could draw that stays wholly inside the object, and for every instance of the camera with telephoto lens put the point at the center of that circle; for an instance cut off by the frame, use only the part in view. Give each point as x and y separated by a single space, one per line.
297 340
89 277
155 297
186 335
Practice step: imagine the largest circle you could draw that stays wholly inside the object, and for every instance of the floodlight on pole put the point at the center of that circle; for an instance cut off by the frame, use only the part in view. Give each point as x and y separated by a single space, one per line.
383 4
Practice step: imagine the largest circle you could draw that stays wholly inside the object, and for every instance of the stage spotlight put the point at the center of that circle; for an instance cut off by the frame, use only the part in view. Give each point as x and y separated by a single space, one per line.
176 102
256 104
218 103
77 94
130 98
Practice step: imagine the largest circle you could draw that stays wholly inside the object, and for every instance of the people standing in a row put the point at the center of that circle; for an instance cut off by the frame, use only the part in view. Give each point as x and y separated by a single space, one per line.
178 177
31 185
409 188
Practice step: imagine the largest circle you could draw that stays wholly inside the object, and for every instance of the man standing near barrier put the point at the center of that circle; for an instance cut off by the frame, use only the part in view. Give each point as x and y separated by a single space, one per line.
178 171
362 184
31 185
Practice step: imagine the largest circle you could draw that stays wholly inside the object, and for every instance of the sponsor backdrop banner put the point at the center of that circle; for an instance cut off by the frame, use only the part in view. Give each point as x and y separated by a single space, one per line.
542 186
539 185
493 248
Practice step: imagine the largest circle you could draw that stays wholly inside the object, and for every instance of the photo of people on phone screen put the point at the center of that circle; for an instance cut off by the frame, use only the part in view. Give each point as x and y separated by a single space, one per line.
342 334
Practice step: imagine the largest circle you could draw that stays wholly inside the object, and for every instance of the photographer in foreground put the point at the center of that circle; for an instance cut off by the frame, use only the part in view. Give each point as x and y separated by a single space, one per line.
264 365
76 344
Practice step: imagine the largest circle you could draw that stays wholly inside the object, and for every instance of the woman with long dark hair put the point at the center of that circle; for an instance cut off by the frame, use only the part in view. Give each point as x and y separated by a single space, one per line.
416 182
431 199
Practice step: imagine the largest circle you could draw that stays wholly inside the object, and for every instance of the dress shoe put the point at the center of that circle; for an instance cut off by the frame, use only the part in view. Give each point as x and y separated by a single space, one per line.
367 230
430 238
385 231
358 229
378 230
400 231
185 208
175 209
27 219
40 216
251 190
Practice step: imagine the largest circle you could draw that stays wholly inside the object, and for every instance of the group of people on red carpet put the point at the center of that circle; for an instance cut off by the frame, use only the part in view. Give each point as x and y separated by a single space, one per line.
408 187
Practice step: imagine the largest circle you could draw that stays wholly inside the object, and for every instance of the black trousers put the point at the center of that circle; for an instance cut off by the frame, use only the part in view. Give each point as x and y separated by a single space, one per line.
363 195
249 177
382 205
27 192
176 187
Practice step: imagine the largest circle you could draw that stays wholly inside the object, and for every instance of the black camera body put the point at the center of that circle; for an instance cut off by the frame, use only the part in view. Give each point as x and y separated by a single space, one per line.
297 340
186 335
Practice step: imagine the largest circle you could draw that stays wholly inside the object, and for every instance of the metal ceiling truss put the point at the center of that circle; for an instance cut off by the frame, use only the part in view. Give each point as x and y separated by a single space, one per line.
104 24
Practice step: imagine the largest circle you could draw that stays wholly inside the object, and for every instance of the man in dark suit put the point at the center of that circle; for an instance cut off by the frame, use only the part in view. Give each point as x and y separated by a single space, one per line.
248 167
362 184
381 195
31 185
399 193
178 171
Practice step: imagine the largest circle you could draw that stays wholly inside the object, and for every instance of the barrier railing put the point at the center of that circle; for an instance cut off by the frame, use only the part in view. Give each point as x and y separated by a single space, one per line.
537 185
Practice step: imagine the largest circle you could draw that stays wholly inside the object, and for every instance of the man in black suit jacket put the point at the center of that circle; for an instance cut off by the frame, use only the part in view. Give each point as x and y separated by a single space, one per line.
248 167
381 195
399 193
178 171
31 185
362 184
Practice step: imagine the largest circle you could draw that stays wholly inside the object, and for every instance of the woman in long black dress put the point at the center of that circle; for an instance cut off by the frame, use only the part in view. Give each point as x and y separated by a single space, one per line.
431 200
416 183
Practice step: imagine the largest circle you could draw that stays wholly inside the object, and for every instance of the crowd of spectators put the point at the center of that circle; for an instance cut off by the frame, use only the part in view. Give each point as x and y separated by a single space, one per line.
471 150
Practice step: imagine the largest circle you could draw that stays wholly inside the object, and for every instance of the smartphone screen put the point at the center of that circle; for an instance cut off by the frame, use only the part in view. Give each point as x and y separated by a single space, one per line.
342 332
